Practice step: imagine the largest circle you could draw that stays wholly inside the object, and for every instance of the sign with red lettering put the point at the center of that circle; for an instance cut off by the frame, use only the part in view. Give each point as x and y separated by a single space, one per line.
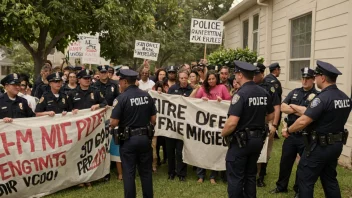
42 155
206 31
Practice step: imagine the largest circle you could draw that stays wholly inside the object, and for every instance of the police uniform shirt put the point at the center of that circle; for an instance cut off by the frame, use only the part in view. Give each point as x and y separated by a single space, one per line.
84 99
272 91
330 110
299 97
17 108
49 102
110 90
270 78
133 107
251 103
176 89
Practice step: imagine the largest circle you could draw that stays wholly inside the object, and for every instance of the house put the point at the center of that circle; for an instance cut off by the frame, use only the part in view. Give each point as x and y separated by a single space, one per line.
296 33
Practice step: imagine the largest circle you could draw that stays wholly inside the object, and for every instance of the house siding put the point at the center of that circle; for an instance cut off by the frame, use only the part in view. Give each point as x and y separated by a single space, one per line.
331 41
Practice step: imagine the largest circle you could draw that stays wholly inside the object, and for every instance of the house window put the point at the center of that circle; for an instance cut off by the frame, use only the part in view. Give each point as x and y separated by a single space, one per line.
245 33
5 70
301 36
255 32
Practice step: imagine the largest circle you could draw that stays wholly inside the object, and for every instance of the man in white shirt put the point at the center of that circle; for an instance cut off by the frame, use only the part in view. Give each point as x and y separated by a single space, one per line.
145 83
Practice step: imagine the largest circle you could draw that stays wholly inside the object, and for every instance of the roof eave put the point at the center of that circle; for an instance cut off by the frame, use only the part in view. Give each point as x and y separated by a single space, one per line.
237 10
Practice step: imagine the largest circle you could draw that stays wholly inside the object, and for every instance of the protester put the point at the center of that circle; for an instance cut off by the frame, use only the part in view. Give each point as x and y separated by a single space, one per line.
186 67
175 146
145 83
225 78
194 79
24 80
72 83
160 74
171 75
202 70
41 85
235 87
211 90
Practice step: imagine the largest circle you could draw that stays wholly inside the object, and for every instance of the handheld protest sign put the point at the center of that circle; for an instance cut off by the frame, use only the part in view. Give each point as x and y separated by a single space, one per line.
206 31
146 50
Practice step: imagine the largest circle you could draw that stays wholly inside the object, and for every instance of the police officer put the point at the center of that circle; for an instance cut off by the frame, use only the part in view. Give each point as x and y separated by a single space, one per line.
326 117
53 102
174 147
273 125
134 111
105 85
85 96
249 109
294 105
11 105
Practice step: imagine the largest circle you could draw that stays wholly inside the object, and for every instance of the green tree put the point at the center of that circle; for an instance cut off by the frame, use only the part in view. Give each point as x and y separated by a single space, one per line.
33 21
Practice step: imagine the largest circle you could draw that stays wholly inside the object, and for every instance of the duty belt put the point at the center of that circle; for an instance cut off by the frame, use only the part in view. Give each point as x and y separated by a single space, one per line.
330 138
139 131
255 133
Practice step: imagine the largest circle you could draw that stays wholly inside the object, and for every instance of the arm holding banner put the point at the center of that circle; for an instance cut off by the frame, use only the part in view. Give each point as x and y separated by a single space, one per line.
230 125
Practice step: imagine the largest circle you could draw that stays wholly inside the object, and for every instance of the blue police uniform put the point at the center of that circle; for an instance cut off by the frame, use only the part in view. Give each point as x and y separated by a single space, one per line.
16 107
251 104
49 101
294 143
275 101
329 111
174 147
84 99
110 90
134 109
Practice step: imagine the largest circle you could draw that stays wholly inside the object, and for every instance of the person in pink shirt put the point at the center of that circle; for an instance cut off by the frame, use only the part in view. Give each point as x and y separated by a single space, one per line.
212 89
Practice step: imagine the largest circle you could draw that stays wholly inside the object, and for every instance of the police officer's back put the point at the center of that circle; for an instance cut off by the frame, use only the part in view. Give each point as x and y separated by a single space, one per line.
11 105
54 101
133 113
246 127
326 116
85 96
105 85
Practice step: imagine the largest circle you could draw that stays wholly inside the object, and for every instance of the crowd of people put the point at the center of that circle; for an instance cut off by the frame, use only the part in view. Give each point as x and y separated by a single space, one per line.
70 89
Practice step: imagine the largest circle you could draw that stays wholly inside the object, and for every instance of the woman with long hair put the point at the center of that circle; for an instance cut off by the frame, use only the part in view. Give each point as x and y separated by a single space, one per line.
160 75
211 90
194 79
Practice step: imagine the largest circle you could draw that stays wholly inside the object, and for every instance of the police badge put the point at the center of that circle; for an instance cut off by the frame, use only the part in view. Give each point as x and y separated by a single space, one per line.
112 89
311 96
235 99
63 101
92 96
21 106
272 89
315 102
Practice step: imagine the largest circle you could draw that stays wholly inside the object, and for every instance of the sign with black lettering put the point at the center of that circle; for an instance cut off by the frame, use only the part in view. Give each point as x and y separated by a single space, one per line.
206 31
198 123
146 50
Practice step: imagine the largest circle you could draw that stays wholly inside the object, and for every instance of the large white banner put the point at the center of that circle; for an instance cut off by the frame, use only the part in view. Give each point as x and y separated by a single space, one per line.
41 155
198 123
206 31
146 50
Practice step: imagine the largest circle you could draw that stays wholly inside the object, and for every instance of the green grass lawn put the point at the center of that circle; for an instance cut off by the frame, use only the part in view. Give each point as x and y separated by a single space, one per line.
190 188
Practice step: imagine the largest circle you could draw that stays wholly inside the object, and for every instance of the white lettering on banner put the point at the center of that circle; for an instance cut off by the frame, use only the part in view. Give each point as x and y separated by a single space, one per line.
139 101
39 156
146 50
199 126
206 31
342 103
257 101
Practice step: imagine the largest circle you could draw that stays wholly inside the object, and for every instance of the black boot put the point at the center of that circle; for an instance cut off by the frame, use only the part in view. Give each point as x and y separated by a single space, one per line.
260 182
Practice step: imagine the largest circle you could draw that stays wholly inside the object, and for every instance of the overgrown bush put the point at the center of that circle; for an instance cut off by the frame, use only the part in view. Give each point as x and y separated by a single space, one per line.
223 56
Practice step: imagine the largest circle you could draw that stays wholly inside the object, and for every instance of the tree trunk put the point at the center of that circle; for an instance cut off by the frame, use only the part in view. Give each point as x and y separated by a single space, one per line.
38 64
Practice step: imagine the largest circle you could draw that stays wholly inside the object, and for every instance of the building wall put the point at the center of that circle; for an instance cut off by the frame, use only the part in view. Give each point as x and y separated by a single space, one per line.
331 41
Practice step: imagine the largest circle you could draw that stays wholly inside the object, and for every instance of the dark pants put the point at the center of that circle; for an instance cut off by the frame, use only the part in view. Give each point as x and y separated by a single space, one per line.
137 151
201 173
161 143
175 163
292 146
241 172
322 163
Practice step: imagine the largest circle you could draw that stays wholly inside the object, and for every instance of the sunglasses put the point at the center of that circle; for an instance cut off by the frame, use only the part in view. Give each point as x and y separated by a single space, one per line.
86 78
56 81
